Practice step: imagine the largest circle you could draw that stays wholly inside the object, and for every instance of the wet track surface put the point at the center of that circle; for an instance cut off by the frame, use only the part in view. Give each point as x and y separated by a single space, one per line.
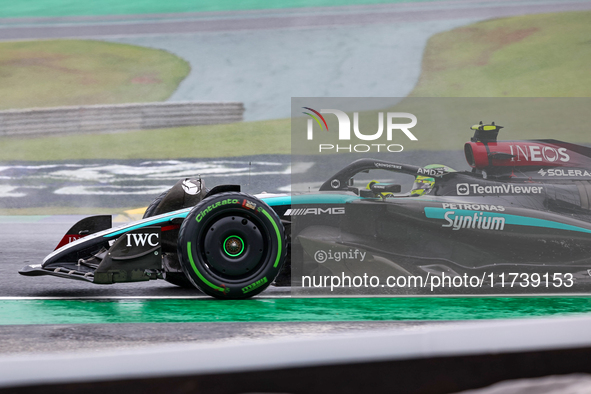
84 337
29 243
24 243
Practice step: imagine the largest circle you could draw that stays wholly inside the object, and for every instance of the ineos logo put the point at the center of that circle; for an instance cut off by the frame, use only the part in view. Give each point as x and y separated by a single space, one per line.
463 189
541 153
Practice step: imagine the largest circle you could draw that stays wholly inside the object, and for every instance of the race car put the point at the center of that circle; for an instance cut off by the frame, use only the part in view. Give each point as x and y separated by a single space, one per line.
524 207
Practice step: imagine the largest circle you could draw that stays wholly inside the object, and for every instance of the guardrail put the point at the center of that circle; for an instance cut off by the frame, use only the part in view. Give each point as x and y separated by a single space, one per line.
437 360
119 117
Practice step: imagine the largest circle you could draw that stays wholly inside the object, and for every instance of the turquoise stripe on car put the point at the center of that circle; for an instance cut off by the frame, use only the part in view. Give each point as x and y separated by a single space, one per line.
271 201
158 220
439 213
310 199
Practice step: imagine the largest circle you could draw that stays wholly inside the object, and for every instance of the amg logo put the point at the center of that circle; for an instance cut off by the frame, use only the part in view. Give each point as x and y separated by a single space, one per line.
315 211
141 239
476 221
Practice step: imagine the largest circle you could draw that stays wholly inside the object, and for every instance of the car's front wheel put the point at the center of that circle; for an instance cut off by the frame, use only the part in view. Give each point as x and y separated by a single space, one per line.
232 245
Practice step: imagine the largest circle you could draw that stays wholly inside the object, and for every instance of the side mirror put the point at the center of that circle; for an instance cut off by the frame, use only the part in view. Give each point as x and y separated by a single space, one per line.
378 188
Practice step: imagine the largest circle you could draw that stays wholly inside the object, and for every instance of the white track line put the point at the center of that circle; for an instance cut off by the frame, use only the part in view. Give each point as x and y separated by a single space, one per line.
296 296
140 298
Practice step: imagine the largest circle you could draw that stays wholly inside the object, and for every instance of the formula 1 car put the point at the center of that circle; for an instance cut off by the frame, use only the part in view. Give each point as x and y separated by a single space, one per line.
524 207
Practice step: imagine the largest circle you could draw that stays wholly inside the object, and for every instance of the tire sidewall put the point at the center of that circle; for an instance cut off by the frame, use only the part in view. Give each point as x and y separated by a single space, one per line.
199 221
154 204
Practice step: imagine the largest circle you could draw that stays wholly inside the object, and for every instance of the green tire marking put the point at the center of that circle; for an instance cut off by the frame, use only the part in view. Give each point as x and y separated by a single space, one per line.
254 285
199 273
241 250
278 237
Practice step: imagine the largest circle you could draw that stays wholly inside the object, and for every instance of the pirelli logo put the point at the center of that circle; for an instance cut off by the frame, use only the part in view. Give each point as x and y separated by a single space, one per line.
315 211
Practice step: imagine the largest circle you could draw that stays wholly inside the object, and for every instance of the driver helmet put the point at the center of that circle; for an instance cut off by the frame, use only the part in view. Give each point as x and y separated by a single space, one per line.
424 184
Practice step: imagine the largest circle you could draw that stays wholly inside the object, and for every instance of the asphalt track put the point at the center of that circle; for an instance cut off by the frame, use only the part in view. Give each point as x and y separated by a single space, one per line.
35 239
92 337
29 243
24 243
81 27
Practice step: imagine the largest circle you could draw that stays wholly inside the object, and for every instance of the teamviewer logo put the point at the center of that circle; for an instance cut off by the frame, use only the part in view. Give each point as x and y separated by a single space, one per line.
463 189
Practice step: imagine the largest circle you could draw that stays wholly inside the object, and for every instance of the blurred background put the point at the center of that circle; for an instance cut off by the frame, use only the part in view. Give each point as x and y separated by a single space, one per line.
98 153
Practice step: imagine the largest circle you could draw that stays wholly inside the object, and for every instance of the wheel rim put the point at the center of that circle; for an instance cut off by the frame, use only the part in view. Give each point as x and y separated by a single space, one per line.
234 245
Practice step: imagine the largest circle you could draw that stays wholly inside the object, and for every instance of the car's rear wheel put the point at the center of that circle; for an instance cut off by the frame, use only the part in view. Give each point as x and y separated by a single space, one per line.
232 245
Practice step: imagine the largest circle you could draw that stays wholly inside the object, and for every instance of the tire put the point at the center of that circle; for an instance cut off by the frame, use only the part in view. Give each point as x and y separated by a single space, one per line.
179 279
232 246
154 204
175 278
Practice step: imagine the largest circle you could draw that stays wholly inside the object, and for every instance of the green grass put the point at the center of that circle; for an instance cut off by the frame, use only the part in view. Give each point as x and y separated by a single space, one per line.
82 72
545 55
530 56
225 140
35 8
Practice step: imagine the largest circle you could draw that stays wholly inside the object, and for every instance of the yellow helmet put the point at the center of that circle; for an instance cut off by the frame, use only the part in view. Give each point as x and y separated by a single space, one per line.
422 185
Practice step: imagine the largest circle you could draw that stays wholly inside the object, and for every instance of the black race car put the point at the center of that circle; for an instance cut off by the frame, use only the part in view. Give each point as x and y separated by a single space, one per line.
525 207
